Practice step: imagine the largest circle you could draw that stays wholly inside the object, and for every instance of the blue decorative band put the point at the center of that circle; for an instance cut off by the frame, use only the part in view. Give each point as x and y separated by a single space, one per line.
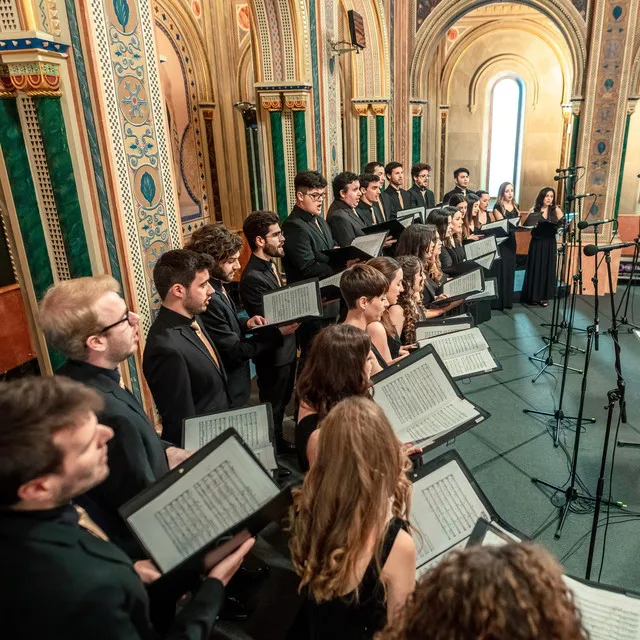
22 44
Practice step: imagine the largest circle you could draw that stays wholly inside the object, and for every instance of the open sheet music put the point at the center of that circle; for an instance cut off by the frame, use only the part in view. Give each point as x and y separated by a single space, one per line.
371 244
421 401
502 225
606 615
490 291
425 331
464 353
332 281
445 509
252 423
482 247
471 282
219 492
291 303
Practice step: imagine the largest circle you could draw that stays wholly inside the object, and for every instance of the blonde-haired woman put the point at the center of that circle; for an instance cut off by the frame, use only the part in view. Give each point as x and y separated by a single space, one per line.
349 535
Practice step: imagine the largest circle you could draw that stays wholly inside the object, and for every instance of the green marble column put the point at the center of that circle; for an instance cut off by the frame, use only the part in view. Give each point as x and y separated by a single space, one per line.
415 139
364 141
573 154
56 147
622 161
300 136
277 148
24 197
380 139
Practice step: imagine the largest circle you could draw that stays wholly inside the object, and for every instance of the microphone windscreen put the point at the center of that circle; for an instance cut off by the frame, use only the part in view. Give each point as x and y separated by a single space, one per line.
590 250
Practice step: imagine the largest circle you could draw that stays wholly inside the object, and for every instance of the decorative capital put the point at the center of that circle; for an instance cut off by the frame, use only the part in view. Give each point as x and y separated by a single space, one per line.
379 108
296 101
416 110
6 88
35 78
271 101
576 106
361 108
631 106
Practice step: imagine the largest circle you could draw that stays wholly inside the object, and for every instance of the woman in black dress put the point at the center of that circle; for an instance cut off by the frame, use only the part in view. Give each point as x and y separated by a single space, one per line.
349 542
339 365
505 269
483 210
448 221
540 277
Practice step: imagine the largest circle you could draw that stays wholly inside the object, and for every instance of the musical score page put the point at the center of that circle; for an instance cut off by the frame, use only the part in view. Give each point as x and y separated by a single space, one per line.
486 262
444 510
489 290
371 244
331 281
482 247
461 285
606 615
500 224
420 402
218 493
424 333
291 303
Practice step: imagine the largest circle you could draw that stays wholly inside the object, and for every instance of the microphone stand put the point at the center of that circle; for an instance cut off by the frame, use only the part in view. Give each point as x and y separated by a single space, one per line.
614 396
626 295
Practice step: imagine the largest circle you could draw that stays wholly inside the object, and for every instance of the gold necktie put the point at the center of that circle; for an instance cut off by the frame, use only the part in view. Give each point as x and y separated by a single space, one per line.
275 272
85 521
384 215
196 327
400 198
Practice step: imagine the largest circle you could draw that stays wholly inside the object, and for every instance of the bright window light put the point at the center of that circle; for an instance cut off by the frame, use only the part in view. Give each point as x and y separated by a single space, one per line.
507 105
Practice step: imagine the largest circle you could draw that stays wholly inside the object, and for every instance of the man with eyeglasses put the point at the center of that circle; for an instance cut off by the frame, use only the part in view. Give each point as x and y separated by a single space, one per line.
88 322
421 195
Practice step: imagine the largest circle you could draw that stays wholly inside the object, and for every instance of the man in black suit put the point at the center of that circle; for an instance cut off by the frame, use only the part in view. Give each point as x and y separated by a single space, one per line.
461 179
221 320
421 195
58 580
89 323
399 198
343 218
276 370
182 366
377 169
369 206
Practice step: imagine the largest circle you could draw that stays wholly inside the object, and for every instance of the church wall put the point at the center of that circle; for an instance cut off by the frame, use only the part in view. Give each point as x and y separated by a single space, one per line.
630 194
468 131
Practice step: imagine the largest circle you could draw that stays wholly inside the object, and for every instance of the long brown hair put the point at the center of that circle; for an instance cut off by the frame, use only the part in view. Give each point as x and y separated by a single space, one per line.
510 592
335 368
388 267
360 470
500 199
410 302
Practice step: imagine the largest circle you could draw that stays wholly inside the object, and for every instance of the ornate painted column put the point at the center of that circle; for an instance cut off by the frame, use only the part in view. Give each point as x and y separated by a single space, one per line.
576 106
272 102
631 108
613 32
380 109
444 113
416 131
362 109
297 104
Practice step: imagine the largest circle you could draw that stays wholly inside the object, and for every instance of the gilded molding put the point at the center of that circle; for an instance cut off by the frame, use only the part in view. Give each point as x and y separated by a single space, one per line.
379 109
35 77
296 101
361 108
416 110
271 101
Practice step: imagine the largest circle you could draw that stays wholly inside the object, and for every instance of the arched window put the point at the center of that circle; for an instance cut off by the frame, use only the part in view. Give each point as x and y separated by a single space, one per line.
505 132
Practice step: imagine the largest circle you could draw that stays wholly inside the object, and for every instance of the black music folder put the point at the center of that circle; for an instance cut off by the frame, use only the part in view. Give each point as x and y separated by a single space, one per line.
461 287
292 303
254 425
361 248
445 507
441 326
490 291
394 227
460 268
330 287
422 401
417 213
499 229
487 533
216 499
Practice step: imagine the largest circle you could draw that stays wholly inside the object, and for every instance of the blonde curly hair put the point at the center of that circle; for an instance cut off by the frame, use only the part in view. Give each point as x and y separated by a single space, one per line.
510 592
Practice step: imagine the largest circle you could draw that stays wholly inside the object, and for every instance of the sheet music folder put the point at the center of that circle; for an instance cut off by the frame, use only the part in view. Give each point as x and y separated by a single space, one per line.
309 305
395 226
442 326
450 284
216 499
341 255
446 505
421 400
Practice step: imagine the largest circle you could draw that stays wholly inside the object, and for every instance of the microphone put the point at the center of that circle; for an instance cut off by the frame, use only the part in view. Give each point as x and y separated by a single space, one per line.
568 169
583 224
565 176
592 249
582 195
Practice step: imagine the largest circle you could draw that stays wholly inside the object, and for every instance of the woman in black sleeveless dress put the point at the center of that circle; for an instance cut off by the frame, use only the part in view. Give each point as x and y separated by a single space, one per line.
540 277
349 532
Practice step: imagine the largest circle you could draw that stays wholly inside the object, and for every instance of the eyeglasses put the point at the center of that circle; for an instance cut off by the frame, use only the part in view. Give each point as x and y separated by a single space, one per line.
275 234
127 318
317 197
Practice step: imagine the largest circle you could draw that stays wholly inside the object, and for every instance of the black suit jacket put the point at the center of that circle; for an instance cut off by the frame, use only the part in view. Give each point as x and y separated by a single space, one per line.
456 189
386 204
303 244
419 199
344 223
370 213
393 198
136 453
257 279
58 581
227 331
181 373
